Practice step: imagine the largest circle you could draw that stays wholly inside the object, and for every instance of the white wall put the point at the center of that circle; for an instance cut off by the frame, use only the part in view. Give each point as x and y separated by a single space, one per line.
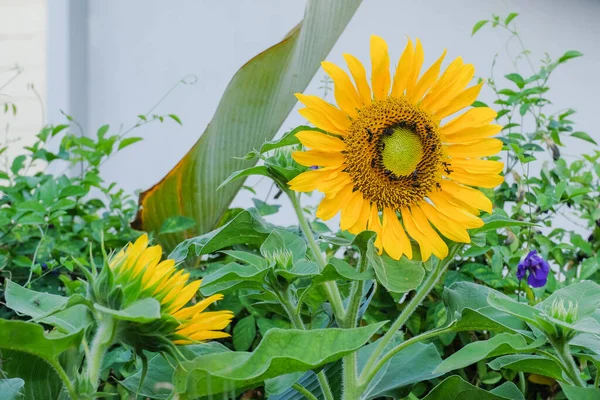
136 50
22 57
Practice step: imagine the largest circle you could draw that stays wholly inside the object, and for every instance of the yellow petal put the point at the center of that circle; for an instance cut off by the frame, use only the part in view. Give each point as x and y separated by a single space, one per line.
463 100
318 157
476 166
470 134
464 193
472 118
459 214
439 247
148 259
380 73
320 141
466 205
183 296
334 185
481 180
343 89
428 78
415 70
162 271
438 87
403 70
414 232
360 78
374 225
336 116
395 241
310 180
189 312
351 210
448 87
363 218
318 119
328 208
479 148
447 226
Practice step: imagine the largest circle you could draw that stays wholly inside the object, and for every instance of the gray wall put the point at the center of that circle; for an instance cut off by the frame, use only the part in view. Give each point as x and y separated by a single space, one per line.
124 55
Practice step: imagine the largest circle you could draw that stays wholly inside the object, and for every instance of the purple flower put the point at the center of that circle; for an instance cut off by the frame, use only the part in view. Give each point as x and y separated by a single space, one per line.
537 267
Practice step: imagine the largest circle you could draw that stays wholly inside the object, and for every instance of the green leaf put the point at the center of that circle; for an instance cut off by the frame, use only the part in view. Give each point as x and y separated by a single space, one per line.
528 363
160 371
580 393
244 173
247 257
478 26
142 311
510 17
397 276
340 269
503 343
496 221
517 79
68 315
569 54
468 302
288 139
101 131
176 224
283 240
280 352
255 104
455 388
300 269
247 227
30 205
175 118
586 295
32 355
232 276
414 364
11 388
129 141
584 136
244 333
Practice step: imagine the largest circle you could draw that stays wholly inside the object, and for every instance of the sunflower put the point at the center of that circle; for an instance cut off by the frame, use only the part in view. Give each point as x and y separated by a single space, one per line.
388 163
141 274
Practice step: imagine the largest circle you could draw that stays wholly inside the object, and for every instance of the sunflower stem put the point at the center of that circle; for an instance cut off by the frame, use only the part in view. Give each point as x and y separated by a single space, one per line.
103 339
563 353
330 288
370 368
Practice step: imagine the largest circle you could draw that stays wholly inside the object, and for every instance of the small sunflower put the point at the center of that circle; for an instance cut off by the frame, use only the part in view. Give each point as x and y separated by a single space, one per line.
388 154
141 274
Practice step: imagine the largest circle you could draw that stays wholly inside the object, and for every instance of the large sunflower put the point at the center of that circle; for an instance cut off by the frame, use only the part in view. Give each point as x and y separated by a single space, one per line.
141 274
388 151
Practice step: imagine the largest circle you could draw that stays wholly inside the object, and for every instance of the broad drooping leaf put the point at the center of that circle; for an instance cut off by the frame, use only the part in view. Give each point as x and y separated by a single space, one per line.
504 343
280 352
256 102
32 355
67 314
454 387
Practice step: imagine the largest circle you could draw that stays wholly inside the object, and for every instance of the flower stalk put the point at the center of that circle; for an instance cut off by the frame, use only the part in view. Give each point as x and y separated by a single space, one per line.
103 339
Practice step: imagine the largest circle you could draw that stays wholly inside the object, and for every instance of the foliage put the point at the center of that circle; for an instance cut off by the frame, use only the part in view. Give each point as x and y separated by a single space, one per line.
319 314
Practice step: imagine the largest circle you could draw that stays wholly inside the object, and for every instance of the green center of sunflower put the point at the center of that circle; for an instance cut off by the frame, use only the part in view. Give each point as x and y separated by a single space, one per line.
402 151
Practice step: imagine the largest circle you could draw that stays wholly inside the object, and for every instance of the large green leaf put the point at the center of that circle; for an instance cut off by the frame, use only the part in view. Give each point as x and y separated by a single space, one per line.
32 355
580 393
414 364
280 352
256 102
532 364
397 276
11 388
247 227
504 343
157 382
69 315
455 388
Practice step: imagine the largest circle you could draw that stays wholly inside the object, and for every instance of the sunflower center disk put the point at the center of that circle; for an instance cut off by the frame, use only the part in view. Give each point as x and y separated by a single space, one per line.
402 151
393 153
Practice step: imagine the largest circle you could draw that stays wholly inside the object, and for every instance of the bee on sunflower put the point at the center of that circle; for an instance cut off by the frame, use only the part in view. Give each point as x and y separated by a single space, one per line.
389 163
